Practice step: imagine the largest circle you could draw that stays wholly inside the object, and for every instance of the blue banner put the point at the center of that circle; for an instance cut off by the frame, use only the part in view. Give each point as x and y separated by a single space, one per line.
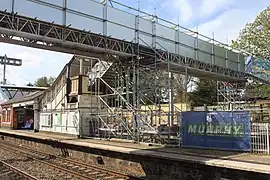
216 130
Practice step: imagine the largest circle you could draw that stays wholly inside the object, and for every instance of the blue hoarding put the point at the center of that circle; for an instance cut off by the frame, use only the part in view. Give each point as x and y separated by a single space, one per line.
217 130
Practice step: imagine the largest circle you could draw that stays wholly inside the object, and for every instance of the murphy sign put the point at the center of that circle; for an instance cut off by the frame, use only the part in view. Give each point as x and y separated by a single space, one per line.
221 130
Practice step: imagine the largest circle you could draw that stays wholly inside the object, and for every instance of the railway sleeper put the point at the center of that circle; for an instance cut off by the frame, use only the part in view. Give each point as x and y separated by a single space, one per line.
102 175
109 177
88 170
3 169
11 175
6 173
75 167
93 173
69 165
82 169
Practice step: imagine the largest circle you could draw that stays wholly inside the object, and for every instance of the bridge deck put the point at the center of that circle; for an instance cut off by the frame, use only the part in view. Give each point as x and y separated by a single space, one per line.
201 58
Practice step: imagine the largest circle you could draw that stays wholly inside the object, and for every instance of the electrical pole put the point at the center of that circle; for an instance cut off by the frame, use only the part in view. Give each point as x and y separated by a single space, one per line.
4 60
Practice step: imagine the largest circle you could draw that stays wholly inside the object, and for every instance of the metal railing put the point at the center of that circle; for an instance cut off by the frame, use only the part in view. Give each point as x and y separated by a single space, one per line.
260 138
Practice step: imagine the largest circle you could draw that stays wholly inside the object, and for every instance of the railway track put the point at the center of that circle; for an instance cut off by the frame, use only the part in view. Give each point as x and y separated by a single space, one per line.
8 171
69 168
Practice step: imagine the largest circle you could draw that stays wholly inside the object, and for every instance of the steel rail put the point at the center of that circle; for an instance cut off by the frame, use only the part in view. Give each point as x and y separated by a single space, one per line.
55 167
18 171
74 162
80 163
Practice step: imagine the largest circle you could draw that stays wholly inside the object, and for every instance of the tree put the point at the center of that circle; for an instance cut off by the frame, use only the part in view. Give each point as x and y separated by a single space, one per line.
255 39
155 86
180 82
44 81
205 93
255 91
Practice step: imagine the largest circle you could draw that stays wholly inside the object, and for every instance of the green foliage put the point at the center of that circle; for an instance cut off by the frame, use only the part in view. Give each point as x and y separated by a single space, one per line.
262 91
255 39
155 86
257 91
205 93
44 81
180 92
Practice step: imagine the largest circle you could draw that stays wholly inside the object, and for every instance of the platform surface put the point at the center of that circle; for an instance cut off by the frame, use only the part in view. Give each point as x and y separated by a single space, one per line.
226 159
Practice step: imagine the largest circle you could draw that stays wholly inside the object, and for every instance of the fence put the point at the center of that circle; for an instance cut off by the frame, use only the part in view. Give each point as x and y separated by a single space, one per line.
260 138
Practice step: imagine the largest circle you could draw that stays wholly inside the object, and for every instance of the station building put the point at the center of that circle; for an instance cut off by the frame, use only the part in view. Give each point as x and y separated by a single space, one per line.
55 109
19 113
58 108
17 103
65 107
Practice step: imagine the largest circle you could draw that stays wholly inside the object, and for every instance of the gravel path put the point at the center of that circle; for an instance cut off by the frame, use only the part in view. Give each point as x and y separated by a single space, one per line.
32 167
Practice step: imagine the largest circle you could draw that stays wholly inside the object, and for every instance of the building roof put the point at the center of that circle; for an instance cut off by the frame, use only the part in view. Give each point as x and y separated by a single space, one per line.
8 92
28 97
7 86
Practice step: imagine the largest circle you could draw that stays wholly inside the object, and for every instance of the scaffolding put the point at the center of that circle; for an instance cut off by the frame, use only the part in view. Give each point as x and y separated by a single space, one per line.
135 84
133 101
240 96
230 95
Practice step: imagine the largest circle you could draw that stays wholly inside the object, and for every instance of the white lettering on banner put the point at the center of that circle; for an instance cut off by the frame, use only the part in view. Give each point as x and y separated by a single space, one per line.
212 129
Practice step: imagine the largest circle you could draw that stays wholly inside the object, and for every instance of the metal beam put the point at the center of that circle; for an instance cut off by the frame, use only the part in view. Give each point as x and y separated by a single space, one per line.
25 88
31 32
49 41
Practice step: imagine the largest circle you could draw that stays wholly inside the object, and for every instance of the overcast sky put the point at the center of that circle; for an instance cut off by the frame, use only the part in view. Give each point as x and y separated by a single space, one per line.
223 17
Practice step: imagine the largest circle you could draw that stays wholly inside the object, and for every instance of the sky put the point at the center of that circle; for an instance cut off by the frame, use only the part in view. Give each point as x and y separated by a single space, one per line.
224 18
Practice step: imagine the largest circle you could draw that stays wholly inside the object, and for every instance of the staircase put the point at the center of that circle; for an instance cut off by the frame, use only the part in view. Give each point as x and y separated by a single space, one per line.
98 70
258 79
229 95
258 70
105 73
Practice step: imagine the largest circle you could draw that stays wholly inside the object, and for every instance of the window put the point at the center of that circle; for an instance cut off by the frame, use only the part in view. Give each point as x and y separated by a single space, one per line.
8 115
4 116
